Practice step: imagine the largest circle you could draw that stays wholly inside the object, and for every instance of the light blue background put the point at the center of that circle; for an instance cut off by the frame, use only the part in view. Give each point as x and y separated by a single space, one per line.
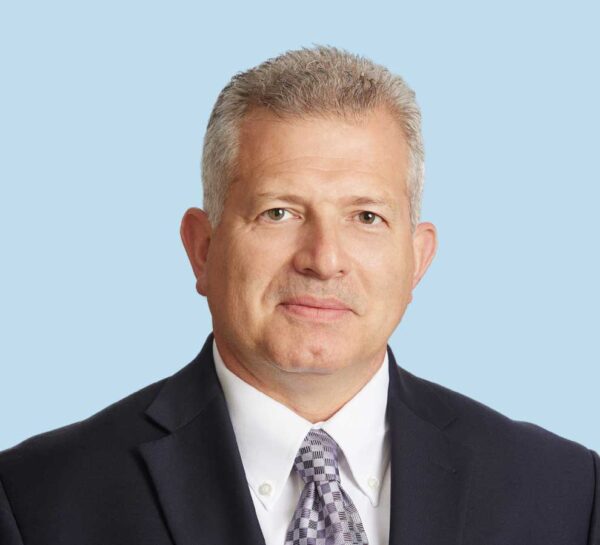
103 108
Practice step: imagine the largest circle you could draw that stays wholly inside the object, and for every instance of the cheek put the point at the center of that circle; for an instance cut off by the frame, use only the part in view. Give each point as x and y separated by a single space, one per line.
387 273
244 274
400 285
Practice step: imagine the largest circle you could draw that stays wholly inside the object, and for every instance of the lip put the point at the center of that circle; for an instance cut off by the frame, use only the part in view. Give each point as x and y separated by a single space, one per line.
315 309
330 303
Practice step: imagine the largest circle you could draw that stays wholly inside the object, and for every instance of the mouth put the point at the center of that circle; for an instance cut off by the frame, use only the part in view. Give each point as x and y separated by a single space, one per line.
315 309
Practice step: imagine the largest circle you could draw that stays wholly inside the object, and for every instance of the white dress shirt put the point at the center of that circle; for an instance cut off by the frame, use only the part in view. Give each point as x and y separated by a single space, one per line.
269 435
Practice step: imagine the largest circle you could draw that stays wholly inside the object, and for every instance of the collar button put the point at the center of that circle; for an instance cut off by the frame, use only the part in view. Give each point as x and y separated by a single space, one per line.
265 489
373 483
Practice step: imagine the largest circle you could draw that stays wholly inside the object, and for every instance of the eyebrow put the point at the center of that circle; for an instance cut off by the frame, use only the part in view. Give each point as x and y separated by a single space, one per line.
350 199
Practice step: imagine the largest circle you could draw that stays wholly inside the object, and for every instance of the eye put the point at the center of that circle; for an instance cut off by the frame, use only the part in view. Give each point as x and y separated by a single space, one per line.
369 218
275 214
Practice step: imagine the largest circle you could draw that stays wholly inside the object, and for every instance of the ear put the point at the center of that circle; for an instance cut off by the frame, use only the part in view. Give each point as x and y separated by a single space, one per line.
196 233
424 247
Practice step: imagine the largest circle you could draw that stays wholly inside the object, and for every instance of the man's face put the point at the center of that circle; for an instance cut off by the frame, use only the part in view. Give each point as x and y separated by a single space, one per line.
313 263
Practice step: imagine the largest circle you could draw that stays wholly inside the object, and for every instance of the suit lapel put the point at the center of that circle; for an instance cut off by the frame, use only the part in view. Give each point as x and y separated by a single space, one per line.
200 482
429 472
196 469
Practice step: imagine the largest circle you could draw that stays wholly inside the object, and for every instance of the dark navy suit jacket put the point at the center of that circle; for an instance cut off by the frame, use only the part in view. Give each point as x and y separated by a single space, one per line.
161 467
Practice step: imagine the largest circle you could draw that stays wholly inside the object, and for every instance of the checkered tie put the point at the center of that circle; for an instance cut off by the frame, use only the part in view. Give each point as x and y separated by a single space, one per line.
325 515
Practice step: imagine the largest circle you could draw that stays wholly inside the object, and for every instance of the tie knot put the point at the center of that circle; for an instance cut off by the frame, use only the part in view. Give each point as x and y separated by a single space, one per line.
317 458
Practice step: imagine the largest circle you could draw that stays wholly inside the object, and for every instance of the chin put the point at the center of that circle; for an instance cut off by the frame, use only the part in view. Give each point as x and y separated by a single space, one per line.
301 368
308 357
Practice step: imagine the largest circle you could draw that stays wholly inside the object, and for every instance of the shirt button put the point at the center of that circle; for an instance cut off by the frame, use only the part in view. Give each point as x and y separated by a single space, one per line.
265 489
373 483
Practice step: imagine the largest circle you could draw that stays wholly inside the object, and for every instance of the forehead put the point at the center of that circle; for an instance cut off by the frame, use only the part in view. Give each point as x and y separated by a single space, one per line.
371 148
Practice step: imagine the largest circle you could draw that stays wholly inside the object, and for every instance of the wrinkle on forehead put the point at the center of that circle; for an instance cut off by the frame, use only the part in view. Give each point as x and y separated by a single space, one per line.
280 180
332 165
373 147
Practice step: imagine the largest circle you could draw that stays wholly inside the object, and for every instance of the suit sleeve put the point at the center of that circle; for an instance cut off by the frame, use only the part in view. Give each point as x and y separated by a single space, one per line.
9 531
594 534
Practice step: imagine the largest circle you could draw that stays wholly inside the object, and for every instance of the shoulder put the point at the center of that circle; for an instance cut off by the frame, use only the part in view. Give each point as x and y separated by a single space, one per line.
114 429
87 471
496 437
517 468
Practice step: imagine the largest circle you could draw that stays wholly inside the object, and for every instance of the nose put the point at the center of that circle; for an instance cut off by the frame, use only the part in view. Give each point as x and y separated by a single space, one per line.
321 252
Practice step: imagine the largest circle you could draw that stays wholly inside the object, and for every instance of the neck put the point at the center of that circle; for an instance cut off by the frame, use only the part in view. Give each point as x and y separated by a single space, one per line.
314 397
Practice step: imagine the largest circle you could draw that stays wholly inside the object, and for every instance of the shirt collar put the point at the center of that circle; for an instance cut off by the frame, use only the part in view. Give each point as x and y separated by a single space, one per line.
269 434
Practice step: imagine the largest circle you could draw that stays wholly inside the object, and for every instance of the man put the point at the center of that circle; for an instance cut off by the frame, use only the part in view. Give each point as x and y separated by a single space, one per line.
294 425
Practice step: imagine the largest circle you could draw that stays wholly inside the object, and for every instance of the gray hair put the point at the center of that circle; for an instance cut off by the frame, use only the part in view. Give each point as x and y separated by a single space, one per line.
310 81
